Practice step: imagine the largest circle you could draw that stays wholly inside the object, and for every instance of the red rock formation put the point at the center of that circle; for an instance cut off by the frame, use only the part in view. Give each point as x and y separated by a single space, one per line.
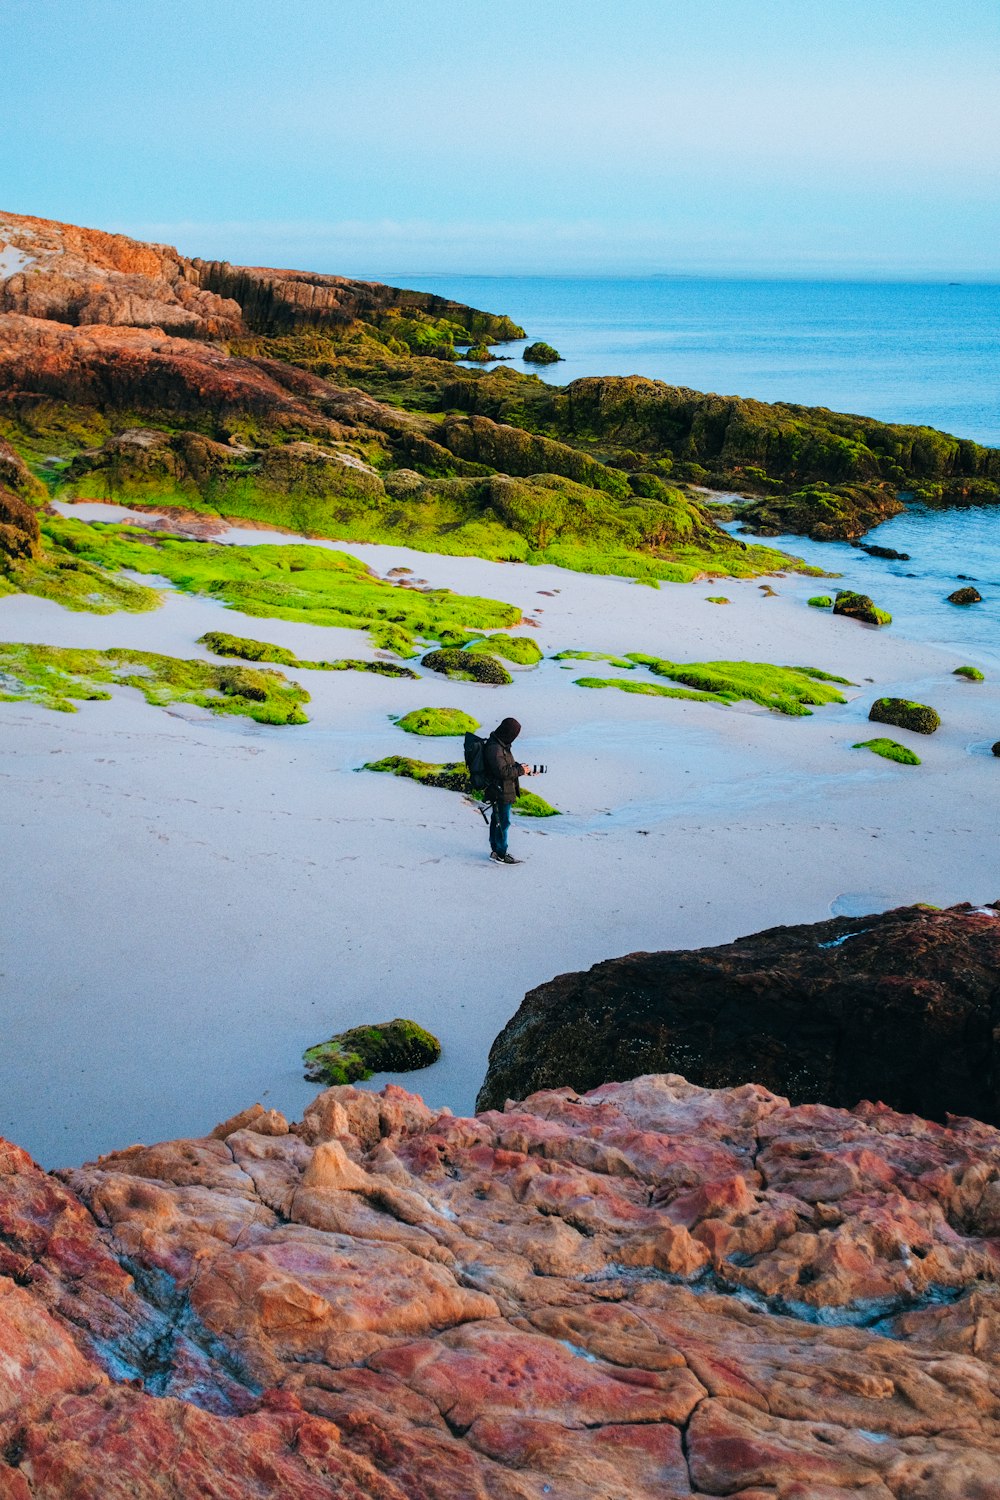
653 1290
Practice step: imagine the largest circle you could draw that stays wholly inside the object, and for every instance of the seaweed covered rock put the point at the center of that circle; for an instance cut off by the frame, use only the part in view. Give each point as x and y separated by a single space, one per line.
820 601
468 666
520 649
860 607
905 714
826 513
971 674
541 353
889 750
438 722
224 644
20 535
966 595
899 1007
398 1046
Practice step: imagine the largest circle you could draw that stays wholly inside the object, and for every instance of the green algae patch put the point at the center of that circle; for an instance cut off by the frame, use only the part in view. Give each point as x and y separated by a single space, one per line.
384 1047
904 713
453 777
971 674
820 601
648 689
223 644
468 666
311 585
520 649
717 599
889 750
76 584
614 661
785 690
54 676
438 721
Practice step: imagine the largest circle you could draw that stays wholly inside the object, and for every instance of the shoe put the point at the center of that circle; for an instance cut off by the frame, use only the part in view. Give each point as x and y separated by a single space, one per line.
505 859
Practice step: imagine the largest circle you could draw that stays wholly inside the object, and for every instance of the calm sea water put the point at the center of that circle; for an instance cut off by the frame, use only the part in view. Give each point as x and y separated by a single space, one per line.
905 352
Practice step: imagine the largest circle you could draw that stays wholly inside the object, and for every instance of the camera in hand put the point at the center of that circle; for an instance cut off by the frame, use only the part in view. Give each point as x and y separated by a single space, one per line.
537 770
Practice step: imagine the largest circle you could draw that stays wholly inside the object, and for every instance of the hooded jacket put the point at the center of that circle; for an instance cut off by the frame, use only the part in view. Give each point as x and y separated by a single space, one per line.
501 767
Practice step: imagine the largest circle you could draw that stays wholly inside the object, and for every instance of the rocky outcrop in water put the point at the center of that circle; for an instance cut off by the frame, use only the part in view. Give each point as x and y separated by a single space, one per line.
654 1290
902 1006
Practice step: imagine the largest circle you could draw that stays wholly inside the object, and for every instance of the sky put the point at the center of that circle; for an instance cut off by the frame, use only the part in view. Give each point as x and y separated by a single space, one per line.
829 138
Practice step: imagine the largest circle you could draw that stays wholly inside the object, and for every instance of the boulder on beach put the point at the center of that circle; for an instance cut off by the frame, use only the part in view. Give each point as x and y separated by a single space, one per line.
966 595
905 714
860 607
467 666
398 1046
898 1006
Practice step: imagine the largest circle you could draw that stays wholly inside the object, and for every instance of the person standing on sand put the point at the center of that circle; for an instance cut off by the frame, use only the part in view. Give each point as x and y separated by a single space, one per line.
502 786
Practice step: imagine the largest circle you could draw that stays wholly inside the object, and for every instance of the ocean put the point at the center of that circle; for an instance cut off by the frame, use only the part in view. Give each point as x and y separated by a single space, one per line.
918 352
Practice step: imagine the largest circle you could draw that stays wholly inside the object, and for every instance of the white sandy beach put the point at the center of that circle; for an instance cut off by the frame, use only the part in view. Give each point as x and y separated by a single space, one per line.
191 901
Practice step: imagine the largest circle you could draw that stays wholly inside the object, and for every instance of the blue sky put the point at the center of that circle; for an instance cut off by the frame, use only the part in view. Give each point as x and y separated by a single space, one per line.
764 137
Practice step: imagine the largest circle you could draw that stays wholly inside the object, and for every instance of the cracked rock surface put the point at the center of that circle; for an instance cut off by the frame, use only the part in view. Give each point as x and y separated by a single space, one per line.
652 1290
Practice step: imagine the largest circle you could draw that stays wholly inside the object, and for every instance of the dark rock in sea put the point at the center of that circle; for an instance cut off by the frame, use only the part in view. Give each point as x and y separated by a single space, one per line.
824 512
967 595
468 666
398 1046
900 1007
541 353
860 607
996 748
905 714
889 553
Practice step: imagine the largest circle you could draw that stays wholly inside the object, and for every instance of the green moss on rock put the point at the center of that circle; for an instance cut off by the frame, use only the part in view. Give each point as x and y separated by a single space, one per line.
647 689
905 714
223 644
520 649
438 721
541 353
614 661
717 599
468 666
55 675
786 690
453 777
860 607
820 601
972 674
889 750
398 1046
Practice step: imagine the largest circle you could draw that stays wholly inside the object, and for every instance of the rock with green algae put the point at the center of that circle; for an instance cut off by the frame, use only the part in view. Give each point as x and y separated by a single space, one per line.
905 714
971 674
438 721
614 661
648 689
398 1046
717 599
967 595
55 676
786 690
520 649
20 536
541 353
223 644
860 607
452 776
468 666
820 601
889 750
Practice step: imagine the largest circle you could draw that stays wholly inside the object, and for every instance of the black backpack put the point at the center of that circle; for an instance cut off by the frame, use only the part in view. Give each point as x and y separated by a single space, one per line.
475 762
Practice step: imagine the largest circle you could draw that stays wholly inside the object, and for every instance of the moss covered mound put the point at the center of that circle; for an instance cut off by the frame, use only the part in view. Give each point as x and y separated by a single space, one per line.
614 661
54 676
860 607
224 644
717 599
648 689
468 666
520 649
453 777
438 721
786 690
905 714
541 353
967 595
889 750
820 601
315 585
972 674
384 1047
20 536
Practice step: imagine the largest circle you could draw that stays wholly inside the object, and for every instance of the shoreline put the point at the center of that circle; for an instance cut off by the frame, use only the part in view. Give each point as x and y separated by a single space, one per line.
222 894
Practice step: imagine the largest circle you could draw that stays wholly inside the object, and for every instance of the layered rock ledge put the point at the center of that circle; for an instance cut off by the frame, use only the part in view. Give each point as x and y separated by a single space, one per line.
651 1290
902 1006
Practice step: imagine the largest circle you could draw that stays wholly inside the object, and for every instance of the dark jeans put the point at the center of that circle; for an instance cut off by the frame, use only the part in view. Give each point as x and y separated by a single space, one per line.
499 825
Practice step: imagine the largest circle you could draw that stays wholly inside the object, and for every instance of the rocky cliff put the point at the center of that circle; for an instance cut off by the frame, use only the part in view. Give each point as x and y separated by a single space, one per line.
902 1006
653 1290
